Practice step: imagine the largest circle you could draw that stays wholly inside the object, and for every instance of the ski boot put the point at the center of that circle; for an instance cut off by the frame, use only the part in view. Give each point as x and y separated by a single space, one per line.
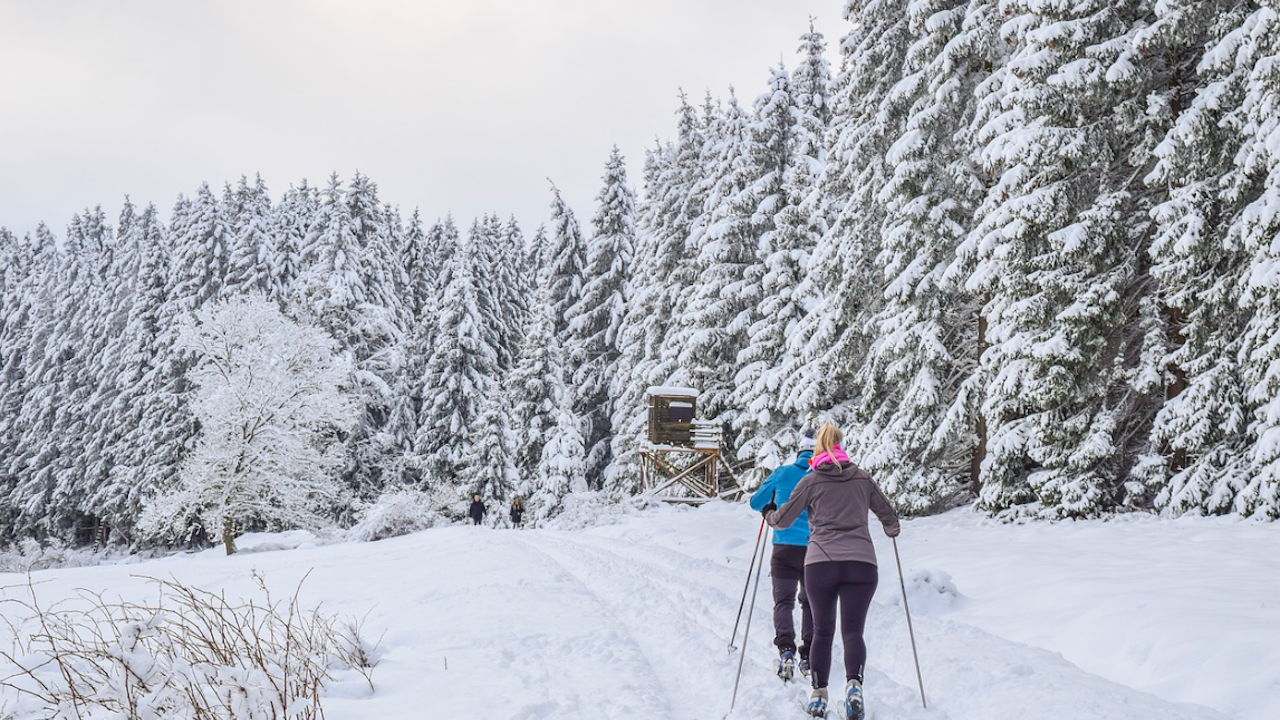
853 705
787 665
817 706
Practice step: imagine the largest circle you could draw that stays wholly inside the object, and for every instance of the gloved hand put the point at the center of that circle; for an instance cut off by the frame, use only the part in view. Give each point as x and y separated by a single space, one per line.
768 509
894 531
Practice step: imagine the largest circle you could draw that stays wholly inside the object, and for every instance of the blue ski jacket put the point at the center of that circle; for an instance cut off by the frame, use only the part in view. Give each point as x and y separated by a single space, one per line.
777 487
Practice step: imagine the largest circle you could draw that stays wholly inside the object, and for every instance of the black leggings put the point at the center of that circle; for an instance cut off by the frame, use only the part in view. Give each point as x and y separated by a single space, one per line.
852 584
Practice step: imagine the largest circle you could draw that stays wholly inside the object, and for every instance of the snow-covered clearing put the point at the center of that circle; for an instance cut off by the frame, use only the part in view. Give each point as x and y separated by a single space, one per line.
631 619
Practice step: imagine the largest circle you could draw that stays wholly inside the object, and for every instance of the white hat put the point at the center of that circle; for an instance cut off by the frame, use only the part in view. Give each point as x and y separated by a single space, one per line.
807 442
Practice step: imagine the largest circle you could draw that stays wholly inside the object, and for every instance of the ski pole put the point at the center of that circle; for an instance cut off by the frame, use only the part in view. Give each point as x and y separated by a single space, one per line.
754 551
903 584
746 631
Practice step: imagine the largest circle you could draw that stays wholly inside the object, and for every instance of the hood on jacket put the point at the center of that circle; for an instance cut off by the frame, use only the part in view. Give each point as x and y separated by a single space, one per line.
802 460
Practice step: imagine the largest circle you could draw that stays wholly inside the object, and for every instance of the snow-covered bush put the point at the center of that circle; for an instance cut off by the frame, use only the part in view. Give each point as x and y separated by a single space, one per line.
581 510
189 653
398 512
29 554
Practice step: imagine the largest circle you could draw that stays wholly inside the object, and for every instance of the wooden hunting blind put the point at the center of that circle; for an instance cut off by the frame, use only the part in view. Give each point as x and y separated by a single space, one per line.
671 412
682 460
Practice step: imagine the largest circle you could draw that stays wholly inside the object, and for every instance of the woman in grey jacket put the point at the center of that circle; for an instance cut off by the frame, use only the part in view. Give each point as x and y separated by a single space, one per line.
840 565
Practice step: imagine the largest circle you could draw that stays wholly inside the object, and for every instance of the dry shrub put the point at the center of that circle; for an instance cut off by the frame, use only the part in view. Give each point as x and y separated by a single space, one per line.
189 654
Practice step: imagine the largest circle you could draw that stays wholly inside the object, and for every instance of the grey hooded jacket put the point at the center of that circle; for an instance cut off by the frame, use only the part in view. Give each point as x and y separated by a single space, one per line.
838 498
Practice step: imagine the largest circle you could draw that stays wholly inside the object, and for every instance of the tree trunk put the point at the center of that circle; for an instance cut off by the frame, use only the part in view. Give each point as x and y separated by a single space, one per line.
980 425
229 535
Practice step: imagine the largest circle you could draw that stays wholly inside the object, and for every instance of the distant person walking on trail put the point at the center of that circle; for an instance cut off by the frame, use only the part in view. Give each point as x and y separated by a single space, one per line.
841 562
477 510
517 512
786 565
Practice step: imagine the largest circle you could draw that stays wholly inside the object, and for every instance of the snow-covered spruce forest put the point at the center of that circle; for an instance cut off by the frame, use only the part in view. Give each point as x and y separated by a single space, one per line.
1025 251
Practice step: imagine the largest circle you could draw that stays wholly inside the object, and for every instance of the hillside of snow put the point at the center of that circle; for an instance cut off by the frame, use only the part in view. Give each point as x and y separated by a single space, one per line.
628 615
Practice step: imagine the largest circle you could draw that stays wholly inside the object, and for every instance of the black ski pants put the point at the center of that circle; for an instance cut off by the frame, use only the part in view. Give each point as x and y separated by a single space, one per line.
851 584
786 568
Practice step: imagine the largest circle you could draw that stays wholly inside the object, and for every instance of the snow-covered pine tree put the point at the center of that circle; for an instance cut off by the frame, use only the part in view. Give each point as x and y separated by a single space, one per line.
839 288
920 376
1254 186
251 261
490 471
712 322
766 431
535 257
566 258
523 270
25 395
55 420
143 457
515 284
562 465
598 314
496 285
378 332
271 401
458 376
1060 242
201 238
380 266
290 225
1200 435
420 270
537 390
329 289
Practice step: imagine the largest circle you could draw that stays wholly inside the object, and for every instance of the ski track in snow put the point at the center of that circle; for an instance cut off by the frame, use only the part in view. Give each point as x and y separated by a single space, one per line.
624 621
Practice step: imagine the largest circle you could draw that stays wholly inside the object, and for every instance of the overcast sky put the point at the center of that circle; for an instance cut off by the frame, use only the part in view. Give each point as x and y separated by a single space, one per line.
462 106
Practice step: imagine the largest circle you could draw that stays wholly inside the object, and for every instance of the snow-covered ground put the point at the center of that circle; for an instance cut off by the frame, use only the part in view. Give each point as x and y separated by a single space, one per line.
1127 619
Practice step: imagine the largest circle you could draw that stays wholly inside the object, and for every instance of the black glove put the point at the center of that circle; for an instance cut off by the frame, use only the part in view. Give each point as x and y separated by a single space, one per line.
768 509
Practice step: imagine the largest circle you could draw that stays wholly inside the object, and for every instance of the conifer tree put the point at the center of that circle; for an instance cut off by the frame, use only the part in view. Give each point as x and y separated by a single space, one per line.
567 256
563 464
598 314
1058 240
713 321
767 431
1200 434
458 376
201 238
252 261
142 453
490 471
920 376
1255 189
290 224
831 342
537 390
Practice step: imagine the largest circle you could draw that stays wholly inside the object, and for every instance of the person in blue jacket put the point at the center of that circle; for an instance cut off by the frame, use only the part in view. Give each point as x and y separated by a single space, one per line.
786 566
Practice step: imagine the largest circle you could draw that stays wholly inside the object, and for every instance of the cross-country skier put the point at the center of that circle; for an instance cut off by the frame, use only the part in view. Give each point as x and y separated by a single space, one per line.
841 562
786 566
477 510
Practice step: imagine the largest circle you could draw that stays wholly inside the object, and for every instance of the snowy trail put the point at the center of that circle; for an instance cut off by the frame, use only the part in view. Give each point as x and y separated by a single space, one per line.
629 620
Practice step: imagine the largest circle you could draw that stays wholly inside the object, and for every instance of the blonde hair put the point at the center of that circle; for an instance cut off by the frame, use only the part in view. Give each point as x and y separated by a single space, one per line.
828 437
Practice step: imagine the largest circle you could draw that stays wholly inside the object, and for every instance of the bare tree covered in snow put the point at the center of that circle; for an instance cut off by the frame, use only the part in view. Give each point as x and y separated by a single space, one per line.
272 401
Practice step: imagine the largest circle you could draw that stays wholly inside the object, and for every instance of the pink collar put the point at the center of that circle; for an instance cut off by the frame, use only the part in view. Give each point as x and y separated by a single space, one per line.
833 456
